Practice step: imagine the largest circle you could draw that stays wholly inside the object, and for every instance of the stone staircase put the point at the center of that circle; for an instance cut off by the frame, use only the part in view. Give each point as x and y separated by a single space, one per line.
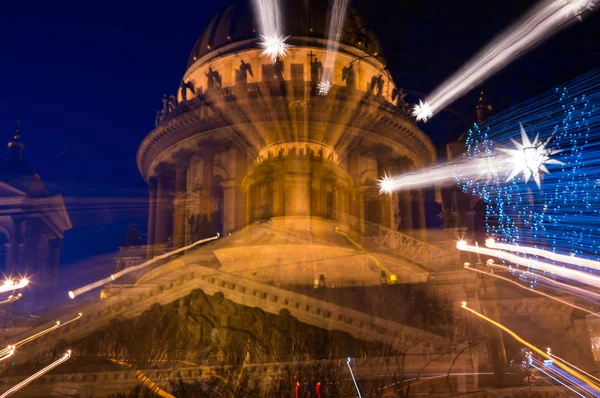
181 280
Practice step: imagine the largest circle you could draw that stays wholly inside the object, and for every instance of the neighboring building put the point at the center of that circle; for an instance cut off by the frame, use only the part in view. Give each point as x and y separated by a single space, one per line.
32 224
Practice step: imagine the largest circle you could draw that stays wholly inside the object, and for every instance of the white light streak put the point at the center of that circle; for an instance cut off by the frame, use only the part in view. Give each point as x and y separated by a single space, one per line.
474 168
530 157
564 272
38 374
555 379
12 285
7 353
4 353
337 17
568 259
102 282
537 25
351 374
270 29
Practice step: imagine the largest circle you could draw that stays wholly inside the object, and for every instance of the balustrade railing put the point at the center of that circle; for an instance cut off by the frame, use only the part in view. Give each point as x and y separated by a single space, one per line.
415 250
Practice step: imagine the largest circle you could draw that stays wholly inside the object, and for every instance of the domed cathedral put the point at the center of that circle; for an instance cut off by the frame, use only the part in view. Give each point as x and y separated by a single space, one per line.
248 143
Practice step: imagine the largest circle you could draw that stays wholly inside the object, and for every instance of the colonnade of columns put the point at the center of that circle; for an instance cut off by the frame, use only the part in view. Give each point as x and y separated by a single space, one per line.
180 214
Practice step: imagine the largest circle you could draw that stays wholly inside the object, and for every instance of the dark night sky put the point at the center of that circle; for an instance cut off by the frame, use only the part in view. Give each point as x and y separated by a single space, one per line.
85 79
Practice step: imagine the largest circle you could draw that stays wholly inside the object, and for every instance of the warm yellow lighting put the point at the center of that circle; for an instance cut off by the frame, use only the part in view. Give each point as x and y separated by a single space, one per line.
461 244
463 304
208 47
467 265
534 348
393 278
228 37
490 242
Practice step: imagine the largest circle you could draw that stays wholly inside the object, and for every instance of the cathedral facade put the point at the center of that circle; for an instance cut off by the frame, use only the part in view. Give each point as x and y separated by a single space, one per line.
247 140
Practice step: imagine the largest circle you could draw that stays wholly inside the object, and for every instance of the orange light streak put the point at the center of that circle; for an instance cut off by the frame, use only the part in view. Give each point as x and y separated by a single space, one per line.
558 363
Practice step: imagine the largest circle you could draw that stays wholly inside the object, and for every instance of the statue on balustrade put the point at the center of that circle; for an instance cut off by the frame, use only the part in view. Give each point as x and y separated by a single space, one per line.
214 79
376 82
242 73
398 93
379 85
349 76
172 103
184 87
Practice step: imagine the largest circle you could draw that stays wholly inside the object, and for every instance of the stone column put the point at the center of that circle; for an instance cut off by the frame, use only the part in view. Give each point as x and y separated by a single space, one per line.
278 197
162 207
17 246
241 168
420 210
249 204
54 246
152 186
229 208
181 169
208 184
406 214
297 195
495 340
361 208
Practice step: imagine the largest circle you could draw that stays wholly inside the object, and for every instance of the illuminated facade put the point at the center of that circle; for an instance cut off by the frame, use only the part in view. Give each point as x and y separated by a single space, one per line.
253 140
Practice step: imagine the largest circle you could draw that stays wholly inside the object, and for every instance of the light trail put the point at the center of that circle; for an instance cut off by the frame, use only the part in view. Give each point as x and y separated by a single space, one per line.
393 278
11 348
7 353
555 379
12 299
102 282
558 363
532 290
582 262
351 374
583 277
474 168
587 294
337 17
11 285
269 17
38 374
573 366
538 24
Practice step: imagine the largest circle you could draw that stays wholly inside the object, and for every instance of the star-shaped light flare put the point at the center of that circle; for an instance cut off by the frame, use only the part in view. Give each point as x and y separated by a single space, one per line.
577 7
386 184
274 46
530 157
422 111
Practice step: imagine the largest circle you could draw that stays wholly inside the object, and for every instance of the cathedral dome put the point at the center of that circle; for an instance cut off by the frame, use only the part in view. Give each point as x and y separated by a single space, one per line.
303 20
